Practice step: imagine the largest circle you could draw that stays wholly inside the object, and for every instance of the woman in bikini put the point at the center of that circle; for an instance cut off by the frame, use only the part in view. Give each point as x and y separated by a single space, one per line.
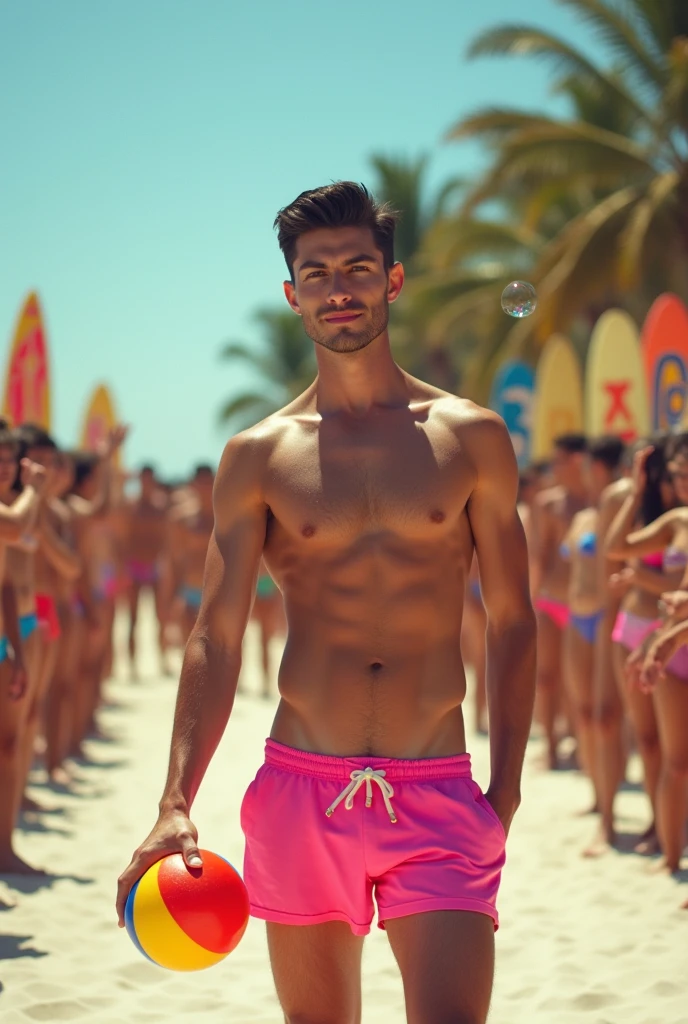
667 535
586 600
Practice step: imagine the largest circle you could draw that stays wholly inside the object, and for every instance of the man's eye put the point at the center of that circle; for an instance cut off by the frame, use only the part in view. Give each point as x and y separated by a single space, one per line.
315 273
360 266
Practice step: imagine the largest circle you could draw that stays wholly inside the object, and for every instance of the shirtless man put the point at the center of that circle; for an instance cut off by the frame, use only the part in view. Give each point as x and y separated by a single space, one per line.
145 529
366 495
553 512
191 525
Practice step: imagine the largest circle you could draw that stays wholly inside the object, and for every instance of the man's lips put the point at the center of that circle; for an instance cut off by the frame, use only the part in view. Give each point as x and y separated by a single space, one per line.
342 318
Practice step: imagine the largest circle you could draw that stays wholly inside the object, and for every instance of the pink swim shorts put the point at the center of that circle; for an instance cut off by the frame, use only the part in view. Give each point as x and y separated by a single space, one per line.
324 834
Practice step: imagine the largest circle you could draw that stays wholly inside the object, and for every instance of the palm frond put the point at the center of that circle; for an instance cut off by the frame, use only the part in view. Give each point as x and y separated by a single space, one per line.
563 152
613 26
526 40
634 236
493 123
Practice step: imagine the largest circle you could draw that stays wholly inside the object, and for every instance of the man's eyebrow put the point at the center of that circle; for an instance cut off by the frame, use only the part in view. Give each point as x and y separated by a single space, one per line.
316 265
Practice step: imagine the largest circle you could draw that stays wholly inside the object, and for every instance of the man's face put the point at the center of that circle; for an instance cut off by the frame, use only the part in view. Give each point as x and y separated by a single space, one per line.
597 476
567 468
341 288
203 485
147 481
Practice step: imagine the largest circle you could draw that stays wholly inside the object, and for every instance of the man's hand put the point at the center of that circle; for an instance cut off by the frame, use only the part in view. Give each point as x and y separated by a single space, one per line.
114 441
173 833
33 475
504 806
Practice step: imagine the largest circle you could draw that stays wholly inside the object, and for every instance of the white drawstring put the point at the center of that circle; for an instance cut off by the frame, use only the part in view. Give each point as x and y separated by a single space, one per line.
367 775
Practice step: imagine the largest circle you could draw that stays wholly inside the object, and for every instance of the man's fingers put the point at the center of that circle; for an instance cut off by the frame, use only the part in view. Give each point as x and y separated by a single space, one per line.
190 852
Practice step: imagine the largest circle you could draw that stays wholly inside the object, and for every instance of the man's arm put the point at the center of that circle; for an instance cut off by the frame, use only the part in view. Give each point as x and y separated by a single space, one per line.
511 632
213 655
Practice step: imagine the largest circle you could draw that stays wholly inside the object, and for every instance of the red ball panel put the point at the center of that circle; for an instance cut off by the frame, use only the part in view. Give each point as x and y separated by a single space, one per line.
210 903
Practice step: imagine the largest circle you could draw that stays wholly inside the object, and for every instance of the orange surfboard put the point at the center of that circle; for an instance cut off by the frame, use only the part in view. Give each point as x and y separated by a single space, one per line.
558 395
665 355
27 378
99 419
615 383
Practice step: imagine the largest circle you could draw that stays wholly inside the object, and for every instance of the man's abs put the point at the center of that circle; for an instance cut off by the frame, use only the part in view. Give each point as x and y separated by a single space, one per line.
401 703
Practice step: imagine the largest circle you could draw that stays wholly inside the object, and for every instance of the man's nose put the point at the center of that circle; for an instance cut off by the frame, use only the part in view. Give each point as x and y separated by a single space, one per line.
339 290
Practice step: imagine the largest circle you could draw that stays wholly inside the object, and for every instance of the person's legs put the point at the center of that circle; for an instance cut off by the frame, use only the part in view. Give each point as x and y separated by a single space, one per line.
608 743
134 596
36 702
317 972
578 675
671 705
641 715
446 960
62 703
548 681
13 716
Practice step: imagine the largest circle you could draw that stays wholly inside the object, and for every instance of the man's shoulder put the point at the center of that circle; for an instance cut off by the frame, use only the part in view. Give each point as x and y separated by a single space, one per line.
466 417
616 492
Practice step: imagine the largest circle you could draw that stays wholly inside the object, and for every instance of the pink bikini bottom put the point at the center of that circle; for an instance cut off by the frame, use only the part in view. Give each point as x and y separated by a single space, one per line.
631 630
557 611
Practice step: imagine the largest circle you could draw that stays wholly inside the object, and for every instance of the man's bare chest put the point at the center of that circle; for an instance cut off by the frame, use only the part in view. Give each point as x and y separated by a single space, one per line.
337 491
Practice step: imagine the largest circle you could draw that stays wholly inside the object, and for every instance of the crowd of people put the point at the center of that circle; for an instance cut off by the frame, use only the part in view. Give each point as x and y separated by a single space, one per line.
607 531
75 545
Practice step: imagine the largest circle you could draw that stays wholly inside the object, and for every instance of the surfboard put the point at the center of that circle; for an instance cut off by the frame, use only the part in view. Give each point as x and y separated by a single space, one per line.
615 382
512 398
26 397
558 406
664 342
99 418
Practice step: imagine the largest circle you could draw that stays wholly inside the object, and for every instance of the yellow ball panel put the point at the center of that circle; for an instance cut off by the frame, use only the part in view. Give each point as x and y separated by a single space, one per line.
160 935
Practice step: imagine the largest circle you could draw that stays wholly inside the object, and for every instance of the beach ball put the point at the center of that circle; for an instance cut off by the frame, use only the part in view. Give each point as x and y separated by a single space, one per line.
185 918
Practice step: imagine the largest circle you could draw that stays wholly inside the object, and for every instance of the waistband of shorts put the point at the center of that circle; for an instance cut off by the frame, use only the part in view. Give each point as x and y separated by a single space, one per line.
325 766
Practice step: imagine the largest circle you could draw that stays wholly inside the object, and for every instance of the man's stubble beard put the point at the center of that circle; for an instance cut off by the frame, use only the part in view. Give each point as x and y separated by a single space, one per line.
348 339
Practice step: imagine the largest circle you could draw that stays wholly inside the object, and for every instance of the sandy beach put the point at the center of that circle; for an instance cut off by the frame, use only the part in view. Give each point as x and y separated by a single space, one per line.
599 942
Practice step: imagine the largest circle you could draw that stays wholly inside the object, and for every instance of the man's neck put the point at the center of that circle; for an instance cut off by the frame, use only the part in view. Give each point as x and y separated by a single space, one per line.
354 383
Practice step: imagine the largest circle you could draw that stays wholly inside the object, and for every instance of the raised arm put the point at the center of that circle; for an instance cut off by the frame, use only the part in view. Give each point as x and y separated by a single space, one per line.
622 541
511 632
19 517
213 654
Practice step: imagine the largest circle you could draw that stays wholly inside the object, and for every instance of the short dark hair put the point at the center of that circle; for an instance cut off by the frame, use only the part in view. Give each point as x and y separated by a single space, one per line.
85 464
339 205
676 444
204 467
30 435
573 444
7 438
607 450
148 468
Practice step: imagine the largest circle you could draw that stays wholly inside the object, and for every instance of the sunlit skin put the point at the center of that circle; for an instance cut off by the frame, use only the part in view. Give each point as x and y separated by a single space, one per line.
367 497
144 528
670 699
553 511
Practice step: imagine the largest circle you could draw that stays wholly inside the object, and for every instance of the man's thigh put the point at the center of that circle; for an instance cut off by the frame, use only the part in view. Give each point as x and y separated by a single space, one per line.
446 958
317 972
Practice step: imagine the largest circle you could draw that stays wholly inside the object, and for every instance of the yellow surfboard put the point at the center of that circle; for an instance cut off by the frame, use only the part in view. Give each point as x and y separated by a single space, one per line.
615 382
558 395
26 397
99 419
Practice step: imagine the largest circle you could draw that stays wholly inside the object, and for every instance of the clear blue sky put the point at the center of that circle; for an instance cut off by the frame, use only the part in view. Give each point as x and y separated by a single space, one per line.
147 145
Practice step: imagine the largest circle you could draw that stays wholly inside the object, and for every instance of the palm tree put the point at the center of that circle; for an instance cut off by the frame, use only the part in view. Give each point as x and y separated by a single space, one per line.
615 175
284 366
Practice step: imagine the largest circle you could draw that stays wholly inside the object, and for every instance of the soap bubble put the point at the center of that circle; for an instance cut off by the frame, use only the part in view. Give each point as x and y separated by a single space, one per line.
519 299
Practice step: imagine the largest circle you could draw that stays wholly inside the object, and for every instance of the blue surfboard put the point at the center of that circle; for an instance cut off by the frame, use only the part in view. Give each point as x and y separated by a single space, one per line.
512 398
